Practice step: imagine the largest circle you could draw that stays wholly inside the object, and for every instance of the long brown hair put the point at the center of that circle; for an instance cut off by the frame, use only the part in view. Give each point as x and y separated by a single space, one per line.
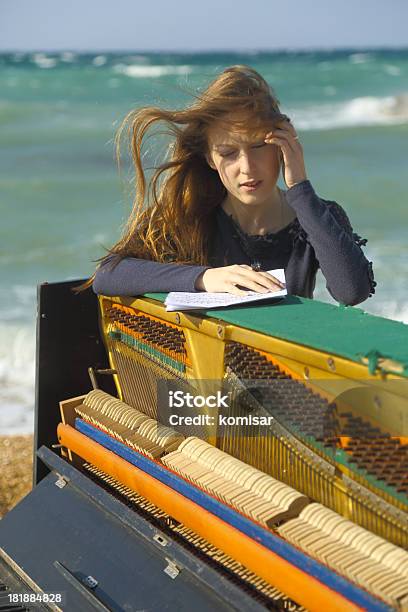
172 214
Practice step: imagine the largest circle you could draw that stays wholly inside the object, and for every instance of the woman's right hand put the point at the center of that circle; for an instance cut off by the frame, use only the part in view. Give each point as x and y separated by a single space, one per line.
227 279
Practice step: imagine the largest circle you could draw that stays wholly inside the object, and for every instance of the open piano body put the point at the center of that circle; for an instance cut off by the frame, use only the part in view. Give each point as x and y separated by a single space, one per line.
292 493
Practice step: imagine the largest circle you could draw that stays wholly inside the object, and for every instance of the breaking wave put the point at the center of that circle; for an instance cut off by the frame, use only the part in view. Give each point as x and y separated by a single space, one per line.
138 71
363 111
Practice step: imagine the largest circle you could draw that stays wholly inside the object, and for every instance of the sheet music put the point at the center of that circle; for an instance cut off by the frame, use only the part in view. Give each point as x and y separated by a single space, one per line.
183 300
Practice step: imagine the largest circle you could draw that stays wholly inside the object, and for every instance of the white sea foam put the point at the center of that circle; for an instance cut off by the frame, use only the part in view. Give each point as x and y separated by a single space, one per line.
24 295
393 309
364 111
17 369
43 61
138 71
17 305
99 60
360 58
68 56
17 358
392 70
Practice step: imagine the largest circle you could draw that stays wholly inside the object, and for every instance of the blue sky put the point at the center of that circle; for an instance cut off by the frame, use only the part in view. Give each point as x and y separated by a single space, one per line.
83 25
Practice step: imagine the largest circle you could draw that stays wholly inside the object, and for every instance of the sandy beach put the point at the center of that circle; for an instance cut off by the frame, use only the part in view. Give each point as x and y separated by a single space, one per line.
16 462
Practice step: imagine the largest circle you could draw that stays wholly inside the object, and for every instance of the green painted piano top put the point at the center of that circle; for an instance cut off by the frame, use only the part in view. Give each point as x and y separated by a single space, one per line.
346 331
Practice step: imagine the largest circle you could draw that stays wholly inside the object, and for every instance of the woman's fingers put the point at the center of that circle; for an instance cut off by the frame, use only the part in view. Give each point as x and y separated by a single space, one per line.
250 285
294 170
266 275
281 141
289 136
236 291
274 279
287 132
284 129
237 279
287 150
256 281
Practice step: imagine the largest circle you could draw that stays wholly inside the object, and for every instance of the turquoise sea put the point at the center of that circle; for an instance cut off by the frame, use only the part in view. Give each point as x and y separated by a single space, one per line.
61 198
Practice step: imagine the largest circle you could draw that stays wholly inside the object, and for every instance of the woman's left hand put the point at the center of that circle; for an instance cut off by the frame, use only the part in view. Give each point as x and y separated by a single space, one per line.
284 136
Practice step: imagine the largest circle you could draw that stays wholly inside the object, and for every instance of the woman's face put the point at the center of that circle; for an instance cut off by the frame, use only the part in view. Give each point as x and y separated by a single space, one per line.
248 168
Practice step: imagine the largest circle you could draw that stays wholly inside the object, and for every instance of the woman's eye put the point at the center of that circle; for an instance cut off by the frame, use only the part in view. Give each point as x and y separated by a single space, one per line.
258 146
227 153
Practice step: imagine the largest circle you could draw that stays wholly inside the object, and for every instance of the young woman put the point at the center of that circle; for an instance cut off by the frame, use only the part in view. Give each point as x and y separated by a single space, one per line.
212 217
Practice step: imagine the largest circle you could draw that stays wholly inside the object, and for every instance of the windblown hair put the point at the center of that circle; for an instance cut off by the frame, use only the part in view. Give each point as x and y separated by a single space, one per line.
172 214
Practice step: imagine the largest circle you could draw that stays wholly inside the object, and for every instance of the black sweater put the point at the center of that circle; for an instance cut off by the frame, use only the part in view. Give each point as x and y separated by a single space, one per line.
320 236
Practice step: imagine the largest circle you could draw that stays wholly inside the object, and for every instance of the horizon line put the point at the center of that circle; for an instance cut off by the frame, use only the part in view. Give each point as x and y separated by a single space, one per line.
214 51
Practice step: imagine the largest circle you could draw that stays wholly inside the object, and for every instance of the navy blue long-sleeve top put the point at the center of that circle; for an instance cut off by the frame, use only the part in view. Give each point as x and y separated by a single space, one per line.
320 236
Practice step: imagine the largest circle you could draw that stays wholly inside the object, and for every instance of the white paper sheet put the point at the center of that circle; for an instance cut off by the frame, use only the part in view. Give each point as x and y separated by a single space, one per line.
183 300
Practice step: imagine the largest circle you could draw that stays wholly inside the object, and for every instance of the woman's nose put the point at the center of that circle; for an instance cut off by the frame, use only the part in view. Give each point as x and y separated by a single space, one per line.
245 163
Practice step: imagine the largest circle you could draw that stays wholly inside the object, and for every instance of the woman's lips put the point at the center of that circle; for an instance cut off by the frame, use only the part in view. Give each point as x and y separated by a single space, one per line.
250 186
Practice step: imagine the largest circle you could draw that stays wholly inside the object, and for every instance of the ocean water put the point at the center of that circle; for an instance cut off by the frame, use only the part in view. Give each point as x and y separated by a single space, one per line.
61 199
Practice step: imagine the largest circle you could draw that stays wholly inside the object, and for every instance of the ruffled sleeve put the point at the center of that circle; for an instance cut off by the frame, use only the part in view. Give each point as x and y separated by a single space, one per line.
349 276
344 221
